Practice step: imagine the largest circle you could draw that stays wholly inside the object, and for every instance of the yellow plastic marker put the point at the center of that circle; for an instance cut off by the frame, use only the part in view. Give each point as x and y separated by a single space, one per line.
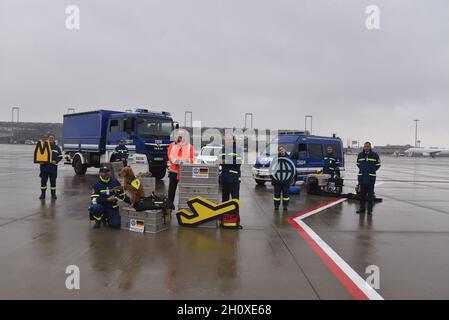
204 210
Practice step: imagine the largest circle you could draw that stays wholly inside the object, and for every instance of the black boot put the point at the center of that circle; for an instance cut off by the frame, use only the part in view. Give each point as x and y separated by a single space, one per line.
97 224
42 197
53 195
361 210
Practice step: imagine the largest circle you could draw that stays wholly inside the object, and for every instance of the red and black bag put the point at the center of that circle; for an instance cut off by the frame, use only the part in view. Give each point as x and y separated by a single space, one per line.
231 221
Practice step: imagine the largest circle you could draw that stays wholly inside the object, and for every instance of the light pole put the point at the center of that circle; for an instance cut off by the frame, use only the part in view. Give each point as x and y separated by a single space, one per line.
248 114
311 123
416 132
17 111
185 118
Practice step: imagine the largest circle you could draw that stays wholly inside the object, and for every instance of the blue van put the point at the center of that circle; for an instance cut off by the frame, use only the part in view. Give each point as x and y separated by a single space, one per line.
306 151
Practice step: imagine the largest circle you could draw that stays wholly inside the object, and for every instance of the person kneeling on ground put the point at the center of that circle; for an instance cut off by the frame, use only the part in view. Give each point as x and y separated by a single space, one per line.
106 194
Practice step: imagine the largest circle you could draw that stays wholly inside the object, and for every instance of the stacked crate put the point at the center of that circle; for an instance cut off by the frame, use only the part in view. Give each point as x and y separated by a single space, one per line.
155 220
199 180
149 185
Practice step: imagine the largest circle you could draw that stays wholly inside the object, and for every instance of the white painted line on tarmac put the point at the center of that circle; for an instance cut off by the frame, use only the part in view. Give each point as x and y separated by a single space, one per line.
349 278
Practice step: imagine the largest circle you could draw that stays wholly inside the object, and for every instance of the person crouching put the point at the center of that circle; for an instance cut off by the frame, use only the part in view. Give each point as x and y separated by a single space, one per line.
106 193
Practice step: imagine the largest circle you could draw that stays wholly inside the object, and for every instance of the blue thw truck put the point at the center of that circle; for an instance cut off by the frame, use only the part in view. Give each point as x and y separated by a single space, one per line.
91 137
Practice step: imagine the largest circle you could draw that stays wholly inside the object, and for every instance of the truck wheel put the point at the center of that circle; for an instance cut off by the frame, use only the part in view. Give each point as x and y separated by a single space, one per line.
79 167
158 172
260 182
312 186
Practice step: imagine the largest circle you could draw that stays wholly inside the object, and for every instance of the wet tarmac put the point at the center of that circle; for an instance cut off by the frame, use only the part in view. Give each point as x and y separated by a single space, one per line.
407 238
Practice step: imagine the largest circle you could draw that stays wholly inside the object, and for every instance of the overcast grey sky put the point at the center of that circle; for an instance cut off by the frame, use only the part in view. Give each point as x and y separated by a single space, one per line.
278 59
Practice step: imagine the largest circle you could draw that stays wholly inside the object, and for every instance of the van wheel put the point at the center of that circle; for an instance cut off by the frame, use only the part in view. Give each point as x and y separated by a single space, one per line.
260 182
79 167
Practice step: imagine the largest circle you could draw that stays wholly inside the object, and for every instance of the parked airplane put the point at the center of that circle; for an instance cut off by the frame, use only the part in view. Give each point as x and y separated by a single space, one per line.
427 152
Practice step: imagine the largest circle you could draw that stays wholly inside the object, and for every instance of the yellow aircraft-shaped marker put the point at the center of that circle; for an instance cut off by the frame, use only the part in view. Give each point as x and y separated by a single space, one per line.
204 210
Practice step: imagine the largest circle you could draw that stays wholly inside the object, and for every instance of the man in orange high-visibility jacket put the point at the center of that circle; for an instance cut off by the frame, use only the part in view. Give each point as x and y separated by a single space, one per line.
180 151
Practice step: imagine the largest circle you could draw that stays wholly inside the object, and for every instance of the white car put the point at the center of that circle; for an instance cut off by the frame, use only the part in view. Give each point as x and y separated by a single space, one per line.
209 154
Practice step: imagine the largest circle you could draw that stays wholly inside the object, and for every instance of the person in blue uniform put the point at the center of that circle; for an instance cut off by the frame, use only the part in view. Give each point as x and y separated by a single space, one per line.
50 170
121 153
105 198
368 163
331 164
281 188
231 160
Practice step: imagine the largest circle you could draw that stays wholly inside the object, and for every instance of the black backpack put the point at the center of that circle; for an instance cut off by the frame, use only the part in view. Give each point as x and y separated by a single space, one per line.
153 202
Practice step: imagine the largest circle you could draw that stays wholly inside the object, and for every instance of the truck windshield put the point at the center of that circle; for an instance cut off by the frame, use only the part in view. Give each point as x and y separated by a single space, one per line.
154 127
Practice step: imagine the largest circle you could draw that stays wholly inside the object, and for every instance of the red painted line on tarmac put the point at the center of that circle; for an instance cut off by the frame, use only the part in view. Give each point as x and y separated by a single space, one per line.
349 285
344 279
313 209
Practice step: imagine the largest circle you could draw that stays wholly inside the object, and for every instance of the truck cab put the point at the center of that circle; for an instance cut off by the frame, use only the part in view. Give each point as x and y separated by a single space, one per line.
305 150
90 138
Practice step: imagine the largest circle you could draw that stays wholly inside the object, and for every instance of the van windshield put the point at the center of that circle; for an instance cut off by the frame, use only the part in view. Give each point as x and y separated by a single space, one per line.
272 149
154 127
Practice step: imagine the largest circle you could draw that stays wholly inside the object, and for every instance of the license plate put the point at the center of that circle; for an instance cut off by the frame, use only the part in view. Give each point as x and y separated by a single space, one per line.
158 159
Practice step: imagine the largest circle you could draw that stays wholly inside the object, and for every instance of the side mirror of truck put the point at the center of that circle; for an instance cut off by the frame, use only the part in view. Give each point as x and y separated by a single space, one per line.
176 125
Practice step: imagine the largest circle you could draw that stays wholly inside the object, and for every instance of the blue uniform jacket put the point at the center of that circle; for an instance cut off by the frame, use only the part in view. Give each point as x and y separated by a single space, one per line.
368 163
103 189
56 155
121 152
230 169
330 164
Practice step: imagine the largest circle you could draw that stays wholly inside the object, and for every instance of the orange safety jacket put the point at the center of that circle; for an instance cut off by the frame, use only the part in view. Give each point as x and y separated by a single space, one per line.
178 152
